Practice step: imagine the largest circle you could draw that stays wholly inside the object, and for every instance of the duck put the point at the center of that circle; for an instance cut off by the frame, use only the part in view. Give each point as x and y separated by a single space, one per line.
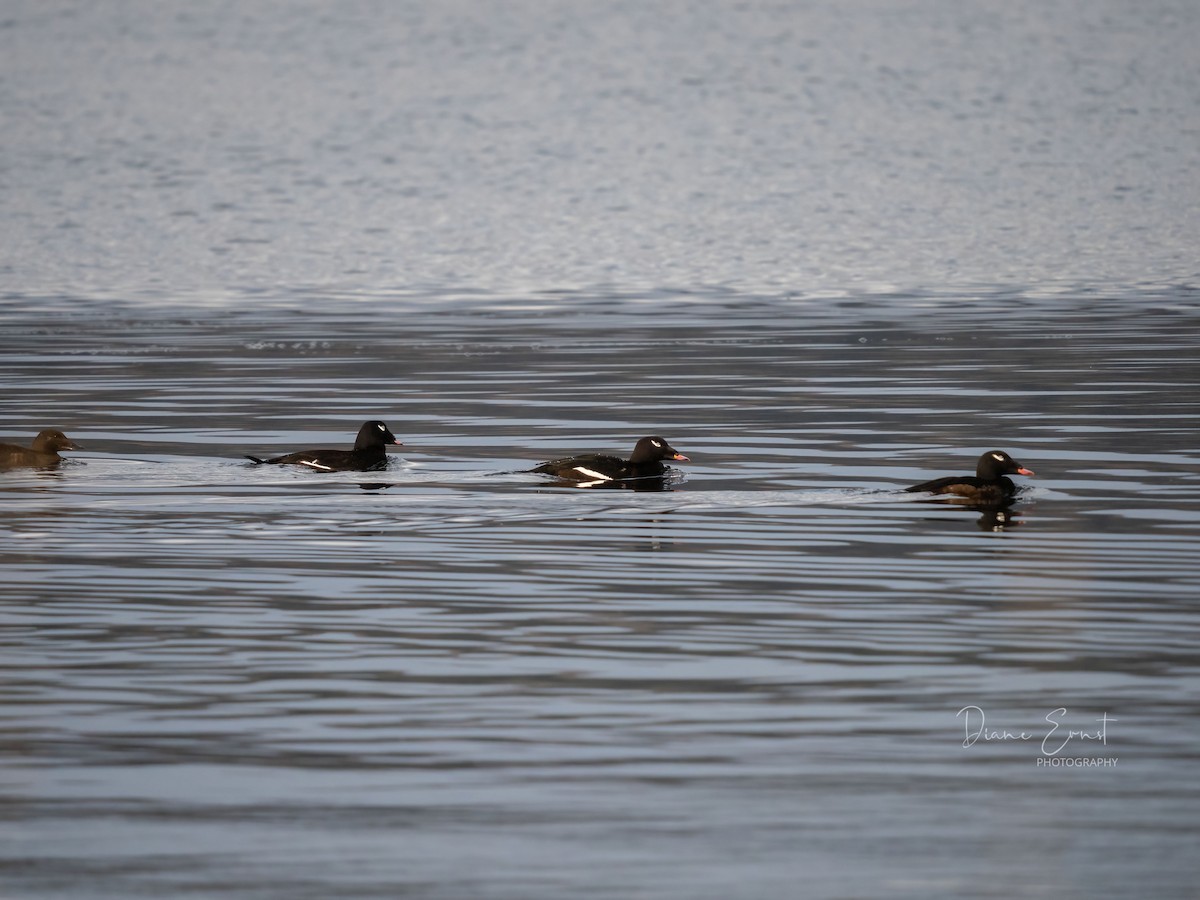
989 486
43 453
369 453
646 461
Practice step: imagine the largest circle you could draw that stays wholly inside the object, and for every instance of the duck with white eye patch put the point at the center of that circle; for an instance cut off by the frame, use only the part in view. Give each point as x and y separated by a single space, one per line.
646 461
368 455
989 486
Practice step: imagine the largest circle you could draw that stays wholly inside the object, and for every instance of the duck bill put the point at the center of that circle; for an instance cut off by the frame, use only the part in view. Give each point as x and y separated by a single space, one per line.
1024 471
679 457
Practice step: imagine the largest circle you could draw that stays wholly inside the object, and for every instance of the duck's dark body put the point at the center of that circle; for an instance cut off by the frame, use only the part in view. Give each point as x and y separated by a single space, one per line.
646 461
43 453
369 453
988 486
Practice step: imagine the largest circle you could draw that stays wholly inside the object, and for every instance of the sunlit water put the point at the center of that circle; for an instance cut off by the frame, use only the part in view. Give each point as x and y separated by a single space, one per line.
827 250
776 146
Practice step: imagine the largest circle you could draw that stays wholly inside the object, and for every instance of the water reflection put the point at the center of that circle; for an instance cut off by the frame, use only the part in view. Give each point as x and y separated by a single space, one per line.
992 516
646 484
998 518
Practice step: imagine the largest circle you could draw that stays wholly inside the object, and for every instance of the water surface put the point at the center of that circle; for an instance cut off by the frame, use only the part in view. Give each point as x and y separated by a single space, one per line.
827 250
454 679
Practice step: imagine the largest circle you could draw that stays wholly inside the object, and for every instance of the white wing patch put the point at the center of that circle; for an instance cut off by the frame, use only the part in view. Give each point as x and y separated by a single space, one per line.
590 474
313 464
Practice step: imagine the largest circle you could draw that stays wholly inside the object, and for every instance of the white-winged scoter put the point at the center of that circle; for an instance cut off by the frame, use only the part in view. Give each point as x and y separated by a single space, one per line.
988 486
43 453
369 453
644 462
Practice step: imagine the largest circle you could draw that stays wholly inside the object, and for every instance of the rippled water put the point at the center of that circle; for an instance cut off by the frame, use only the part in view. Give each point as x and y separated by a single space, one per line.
452 679
827 250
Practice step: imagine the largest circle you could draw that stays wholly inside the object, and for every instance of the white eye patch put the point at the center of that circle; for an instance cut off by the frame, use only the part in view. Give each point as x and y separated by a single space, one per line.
381 427
656 443
998 457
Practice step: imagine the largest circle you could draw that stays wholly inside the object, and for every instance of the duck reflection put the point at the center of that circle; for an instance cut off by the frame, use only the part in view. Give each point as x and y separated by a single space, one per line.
998 517
992 516
653 484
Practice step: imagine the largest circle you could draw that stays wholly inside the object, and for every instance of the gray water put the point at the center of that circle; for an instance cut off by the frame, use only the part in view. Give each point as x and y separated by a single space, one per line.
827 252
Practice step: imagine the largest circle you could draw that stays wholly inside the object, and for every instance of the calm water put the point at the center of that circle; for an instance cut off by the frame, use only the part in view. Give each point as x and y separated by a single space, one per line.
827 251
523 146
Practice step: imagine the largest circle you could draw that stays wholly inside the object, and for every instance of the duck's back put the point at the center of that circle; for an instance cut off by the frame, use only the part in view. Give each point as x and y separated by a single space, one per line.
968 486
597 466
